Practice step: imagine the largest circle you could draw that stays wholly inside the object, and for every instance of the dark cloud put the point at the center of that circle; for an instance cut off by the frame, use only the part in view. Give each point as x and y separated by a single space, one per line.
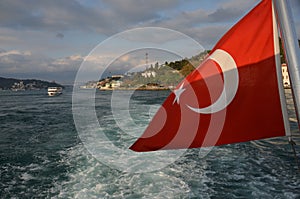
60 35
72 15
222 14
207 36
51 15
44 19
111 16
137 11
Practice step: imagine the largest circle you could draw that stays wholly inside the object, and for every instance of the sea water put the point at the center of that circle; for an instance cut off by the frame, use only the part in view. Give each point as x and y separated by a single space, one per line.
43 156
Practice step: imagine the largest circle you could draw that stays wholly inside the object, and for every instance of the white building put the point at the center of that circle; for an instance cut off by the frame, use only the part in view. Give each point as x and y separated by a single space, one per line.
116 84
149 74
285 76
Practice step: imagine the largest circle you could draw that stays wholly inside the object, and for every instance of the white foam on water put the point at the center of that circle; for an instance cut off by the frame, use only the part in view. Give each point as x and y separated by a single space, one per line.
26 176
237 169
88 178
254 169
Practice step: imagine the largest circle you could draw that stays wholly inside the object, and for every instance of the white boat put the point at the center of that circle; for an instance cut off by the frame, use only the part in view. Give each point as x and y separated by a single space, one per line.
54 91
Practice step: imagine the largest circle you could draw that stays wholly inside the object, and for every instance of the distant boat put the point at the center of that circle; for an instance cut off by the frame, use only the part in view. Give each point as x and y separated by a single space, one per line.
54 91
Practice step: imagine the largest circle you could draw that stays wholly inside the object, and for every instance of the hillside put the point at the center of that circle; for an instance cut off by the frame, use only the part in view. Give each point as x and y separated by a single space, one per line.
25 84
164 75
186 66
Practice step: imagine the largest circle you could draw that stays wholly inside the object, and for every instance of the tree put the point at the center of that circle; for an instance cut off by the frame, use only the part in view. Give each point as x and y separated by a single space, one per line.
187 69
156 66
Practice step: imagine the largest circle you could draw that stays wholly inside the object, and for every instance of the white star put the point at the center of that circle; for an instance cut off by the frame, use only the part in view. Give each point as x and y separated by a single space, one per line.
177 93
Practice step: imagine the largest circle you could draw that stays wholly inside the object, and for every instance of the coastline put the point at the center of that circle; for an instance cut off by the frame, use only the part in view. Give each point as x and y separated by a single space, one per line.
135 88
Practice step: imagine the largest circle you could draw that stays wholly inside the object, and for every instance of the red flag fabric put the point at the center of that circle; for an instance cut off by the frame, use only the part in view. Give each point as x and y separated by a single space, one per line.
235 95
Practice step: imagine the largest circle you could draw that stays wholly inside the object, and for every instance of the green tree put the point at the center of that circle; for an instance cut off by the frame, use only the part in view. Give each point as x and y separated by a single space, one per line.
187 69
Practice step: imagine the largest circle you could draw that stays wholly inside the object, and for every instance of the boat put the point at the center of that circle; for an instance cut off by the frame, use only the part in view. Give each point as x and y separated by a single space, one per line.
54 91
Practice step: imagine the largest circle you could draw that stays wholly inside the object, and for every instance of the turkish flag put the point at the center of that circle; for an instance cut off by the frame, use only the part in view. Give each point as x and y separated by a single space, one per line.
235 95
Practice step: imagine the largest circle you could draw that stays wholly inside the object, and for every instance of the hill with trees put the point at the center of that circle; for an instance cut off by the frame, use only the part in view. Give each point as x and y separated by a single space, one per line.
25 84
167 74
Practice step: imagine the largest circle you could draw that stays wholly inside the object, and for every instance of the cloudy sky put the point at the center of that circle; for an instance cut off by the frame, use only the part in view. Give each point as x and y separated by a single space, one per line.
50 39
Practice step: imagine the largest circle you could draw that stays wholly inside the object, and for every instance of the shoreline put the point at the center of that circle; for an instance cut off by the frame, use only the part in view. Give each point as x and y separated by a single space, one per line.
135 88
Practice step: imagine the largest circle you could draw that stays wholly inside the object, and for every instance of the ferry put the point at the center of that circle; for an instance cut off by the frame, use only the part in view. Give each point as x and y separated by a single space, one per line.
54 91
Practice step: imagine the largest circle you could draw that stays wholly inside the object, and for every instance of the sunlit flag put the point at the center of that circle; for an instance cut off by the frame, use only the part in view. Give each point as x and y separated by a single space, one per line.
235 95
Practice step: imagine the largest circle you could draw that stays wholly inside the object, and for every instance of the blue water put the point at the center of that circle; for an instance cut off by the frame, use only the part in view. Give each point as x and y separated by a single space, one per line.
42 156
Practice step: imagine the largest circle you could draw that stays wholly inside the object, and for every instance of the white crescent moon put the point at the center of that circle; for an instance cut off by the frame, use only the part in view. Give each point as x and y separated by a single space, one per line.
231 81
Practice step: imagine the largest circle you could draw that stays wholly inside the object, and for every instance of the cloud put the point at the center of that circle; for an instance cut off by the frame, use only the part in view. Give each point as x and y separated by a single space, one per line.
114 16
207 36
51 15
4 53
231 10
33 26
111 16
60 35
25 62
295 4
137 11
223 14
205 25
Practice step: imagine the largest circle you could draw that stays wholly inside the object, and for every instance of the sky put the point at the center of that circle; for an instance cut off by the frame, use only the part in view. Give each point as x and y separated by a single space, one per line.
50 40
